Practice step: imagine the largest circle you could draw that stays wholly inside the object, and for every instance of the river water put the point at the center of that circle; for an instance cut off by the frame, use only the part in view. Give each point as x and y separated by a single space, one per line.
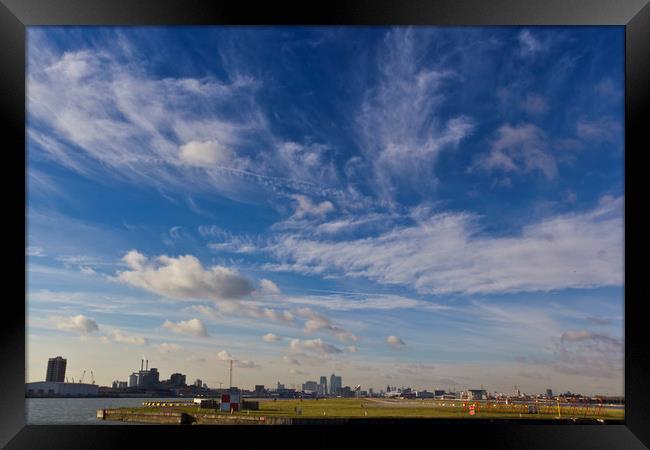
78 411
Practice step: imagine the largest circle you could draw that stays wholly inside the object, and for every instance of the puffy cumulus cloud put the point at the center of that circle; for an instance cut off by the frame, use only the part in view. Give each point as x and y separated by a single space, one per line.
134 259
192 327
395 341
246 364
269 287
582 352
243 308
447 253
270 337
318 322
518 149
315 345
183 278
307 208
167 347
79 324
121 338
224 356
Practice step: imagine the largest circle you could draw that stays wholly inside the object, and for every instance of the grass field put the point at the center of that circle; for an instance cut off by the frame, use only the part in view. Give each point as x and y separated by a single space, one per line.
396 408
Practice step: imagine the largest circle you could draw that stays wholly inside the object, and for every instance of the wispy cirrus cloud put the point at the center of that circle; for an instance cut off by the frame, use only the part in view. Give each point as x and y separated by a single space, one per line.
518 149
400 132
446 253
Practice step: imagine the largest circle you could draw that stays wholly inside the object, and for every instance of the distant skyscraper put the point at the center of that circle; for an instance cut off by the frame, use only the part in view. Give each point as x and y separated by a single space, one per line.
177 379
56 369
310 386
549 393
335 384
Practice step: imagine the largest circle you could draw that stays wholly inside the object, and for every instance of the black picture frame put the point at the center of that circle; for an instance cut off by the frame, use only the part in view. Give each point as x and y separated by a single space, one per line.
634 15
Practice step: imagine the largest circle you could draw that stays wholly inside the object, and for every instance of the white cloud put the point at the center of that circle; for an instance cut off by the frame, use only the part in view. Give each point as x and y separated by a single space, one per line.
121 338
269 287
210 154
518 149
246 364
34 250
224 356
134 259
270 337
184 278
192 327
581 352
316 345
107 113
307 208
395 341
529 43
318 322
351 349
79 324
87 270
446 253
363 301
246 309
401 134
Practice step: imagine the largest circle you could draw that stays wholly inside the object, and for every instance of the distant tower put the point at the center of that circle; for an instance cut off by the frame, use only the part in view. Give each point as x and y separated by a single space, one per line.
231 373
323 383
56 369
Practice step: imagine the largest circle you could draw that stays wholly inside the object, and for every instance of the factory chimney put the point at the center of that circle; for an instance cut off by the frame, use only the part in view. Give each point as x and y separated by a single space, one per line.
147 366
141 365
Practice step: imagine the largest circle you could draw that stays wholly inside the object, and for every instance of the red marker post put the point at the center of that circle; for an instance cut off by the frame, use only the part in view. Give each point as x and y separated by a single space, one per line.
472 410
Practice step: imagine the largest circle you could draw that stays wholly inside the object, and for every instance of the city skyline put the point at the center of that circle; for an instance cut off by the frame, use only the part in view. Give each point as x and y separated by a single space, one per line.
428 206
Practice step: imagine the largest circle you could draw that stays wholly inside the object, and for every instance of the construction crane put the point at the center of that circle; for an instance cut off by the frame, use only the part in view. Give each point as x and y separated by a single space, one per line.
92 377
81 380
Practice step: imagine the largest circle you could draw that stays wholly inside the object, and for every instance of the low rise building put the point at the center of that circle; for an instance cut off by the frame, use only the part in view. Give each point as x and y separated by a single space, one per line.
59 389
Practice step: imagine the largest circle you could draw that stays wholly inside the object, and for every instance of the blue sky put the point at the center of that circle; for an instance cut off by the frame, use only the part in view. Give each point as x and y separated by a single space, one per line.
434 207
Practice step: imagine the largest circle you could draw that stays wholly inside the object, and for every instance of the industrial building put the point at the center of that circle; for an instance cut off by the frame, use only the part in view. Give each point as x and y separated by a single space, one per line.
476 394
60 389
145 378
56 369
177 379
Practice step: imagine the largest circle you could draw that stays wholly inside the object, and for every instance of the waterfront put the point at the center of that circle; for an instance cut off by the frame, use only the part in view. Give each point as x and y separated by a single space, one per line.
77 411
